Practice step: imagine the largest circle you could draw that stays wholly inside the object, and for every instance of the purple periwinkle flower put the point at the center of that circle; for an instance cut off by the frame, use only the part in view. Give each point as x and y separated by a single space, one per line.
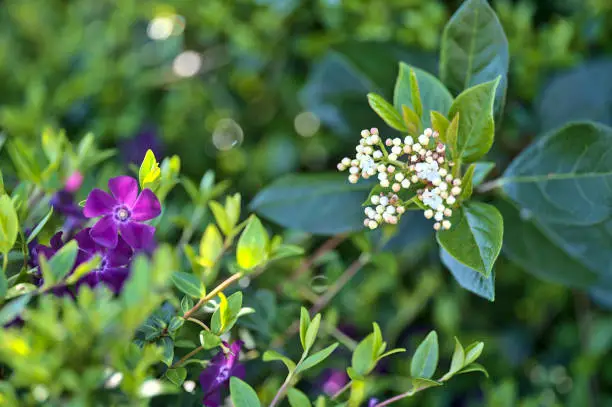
114 263
217 374
372 402
122 210
334 380
35 249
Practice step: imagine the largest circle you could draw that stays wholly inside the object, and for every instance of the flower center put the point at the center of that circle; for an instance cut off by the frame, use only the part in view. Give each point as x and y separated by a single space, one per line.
122 214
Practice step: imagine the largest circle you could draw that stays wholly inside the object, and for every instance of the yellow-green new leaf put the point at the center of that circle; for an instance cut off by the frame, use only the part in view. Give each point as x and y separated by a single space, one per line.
412 120
252 249
211 246
416 94
149 174
9 224
386 111
440 123
221 217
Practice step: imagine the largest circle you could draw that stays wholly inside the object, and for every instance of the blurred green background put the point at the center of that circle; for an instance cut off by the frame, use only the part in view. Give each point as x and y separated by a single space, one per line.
258 88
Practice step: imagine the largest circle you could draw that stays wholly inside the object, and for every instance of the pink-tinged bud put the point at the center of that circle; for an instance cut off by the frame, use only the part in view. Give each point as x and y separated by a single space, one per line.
74 182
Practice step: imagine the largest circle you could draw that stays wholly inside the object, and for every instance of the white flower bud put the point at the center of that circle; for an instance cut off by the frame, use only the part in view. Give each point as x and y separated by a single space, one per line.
423 139
382 176
405 184
359 148
417 147
355 163
397 150
440 208
372 224
442 172
436 182
439 216
366 222
375 199
428 132
456 182
414 179
444 194
354 170
365 133
346 161
455 191
392 156
377 154
341 167
450 200
353 179
443 186
448 212
378 218
399 177
390 210
390 169
397 141
368 150
384 201
396 187
374 139
449 178
374 130
436 226
371 171
393 220
384 183
380 209
407 149
388 142
381 168
409 140
446 224
440 160
401 209
429 214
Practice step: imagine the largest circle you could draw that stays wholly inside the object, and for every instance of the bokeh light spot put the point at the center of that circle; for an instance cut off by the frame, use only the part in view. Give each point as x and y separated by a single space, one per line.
187 64
307 124
227 134
160 28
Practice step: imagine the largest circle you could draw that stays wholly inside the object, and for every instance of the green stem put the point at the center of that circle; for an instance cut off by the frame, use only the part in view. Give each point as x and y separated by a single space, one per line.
283 389
186 357
342 390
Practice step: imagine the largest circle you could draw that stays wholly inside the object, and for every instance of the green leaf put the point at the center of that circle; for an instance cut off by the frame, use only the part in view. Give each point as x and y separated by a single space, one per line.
434 95
452 134
311 332
481 170
425 359
9 224
286 250
188 284
295 201
469 278
242 394
3 285
391 352
271 355
221 217
378 345
358 393
40 226
304 323
467 183
177 376
476 126
209 340
473 352
297 398
568 255
252 249
475 367
19 290
439 123
186 303
61 263
412 121
474 49
416 94
363 360
475 237
211 246
84 268
419 383
386 111
12 309
167 345
149 173
458 359
564 177
315 359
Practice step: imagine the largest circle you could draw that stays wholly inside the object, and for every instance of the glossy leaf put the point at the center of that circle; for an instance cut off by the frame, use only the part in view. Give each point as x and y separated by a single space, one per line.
468 278
297 398
322 204
188 284
425 359
458 359
467 183
221 217
177 376
209 340
62 262
211 246
386 111
474 49
476 126
304 323
475 367
434 95
252 249
473 352
149 174
475 238
311 332
271 355
364 356
242 394
316 358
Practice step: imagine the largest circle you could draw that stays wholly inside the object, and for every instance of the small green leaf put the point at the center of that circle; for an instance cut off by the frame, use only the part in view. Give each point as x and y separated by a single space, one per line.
439 123
209 340
304 323
416 94
40 226
475 367
61 263
177 376
242 394
167 345
9 224
286 250
188 284
425 359
391 352
315 359
19 290
13 309
386 111
458 360
419 383
311 332
186 303
221 217
3 286
149 173
452 132
362 360
358 393
271 355
377 345
476 127
297 398
211 246
84 268
467 183
473 352
475 237
412 120
252 245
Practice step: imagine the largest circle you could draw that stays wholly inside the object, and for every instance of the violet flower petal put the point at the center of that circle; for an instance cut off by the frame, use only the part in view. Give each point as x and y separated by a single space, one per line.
146 207
120 255
99 203
85 242
124 189
137 235
104 232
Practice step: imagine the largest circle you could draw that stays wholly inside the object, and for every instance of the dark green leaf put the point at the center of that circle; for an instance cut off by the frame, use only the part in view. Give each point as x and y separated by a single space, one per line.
386 111
324 204
61 263
177 376
242 394
482 169
3 285
188 284
297 398
476 126
474 50
316 358
209 340
469 278
167 345
186 304
434 95
12 309
475 237
425 359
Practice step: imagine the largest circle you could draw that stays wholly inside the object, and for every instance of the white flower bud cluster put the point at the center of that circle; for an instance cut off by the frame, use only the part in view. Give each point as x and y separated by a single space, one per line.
420 164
